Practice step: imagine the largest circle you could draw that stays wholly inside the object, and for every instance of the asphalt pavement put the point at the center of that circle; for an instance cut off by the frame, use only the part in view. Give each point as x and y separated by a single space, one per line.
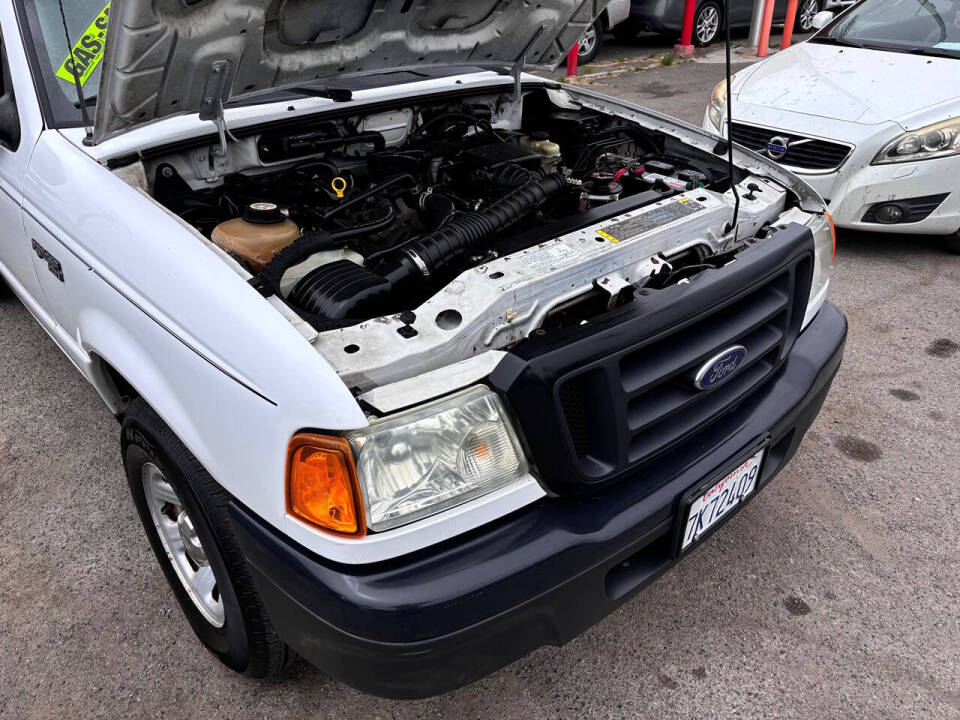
835 594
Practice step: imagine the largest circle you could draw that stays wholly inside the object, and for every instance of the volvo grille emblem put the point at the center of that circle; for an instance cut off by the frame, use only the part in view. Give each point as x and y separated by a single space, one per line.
720 368
777 147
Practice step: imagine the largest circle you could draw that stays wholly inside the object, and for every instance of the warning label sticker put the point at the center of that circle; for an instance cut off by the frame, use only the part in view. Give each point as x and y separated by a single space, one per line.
88 52
549 258
654 218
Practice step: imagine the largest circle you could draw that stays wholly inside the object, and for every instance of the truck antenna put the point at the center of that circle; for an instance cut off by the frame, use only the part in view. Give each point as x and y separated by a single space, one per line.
730 166
88 140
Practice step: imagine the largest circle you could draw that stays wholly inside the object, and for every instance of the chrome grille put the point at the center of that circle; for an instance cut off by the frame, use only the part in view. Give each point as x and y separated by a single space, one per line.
804 153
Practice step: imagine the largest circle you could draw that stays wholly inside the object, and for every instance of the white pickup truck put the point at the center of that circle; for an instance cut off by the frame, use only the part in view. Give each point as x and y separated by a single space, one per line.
421 362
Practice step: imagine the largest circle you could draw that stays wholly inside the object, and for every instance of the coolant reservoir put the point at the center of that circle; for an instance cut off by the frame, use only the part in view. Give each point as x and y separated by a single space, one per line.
540 143
261 233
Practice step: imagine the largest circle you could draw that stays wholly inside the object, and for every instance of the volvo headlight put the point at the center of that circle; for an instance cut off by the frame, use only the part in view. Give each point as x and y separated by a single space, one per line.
933 141
718 103
417 463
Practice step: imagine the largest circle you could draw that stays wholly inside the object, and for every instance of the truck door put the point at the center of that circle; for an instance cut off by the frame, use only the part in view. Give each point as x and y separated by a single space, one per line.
20 125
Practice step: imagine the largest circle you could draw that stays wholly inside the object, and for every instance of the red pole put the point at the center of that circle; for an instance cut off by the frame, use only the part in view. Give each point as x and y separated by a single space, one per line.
764 45
572 58
684 48
788 26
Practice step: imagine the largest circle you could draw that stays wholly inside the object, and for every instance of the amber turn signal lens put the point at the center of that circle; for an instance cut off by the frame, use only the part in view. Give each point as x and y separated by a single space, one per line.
322 487
833 233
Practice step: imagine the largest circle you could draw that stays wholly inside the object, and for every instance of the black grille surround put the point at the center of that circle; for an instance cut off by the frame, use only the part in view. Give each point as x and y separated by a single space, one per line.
915 209
803 153
597 403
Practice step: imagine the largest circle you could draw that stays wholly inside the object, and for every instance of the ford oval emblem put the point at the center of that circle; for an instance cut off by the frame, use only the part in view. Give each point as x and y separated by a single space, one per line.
720 368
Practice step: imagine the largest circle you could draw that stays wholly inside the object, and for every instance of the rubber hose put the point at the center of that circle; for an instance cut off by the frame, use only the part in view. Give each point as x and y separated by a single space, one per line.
467 231
268 280
512 176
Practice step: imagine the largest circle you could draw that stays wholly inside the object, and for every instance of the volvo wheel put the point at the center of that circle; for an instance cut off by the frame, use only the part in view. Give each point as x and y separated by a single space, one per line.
951 243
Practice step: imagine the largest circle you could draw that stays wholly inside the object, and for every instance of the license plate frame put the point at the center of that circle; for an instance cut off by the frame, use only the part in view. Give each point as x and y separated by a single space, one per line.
691 496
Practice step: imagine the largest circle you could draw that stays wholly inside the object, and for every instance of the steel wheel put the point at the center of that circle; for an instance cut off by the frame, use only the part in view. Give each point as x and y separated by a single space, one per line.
806 13
184 549
707 24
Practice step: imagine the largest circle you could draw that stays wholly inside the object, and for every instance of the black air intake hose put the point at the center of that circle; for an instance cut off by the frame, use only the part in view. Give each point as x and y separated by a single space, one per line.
466 232
512 176
333 293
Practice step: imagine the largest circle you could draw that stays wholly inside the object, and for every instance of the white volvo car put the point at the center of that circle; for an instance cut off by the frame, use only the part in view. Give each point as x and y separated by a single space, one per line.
867 111
420 362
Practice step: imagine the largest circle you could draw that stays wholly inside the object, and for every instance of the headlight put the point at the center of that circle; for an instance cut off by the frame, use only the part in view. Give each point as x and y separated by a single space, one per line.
718 103
434 457
933 141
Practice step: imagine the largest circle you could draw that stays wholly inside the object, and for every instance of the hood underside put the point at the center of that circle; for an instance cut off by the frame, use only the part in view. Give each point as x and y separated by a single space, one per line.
170 57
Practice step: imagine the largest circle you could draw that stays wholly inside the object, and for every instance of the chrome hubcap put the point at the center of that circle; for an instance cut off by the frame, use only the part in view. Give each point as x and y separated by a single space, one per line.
587 42
708 24
182 544
807 12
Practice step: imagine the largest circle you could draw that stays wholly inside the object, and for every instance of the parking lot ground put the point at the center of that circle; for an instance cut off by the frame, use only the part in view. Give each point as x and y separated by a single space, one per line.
835 594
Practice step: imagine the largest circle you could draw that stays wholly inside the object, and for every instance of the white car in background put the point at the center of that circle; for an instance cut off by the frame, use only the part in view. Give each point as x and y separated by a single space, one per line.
867 111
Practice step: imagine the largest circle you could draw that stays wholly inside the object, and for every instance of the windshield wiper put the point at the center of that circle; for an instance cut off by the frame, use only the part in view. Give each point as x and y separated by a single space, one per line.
828 40
933 52
270 95
335 94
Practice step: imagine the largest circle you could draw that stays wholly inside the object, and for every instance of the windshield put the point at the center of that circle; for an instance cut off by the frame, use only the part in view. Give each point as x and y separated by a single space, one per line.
57 59
904 25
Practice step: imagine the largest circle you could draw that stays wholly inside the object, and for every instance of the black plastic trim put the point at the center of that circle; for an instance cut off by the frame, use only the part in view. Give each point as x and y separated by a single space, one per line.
534 373
452 613
914 209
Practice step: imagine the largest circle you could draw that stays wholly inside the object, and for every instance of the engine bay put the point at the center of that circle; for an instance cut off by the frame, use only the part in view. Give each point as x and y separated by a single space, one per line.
388 216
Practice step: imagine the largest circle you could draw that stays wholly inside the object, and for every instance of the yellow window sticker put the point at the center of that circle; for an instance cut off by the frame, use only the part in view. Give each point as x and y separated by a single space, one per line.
608 236
88 52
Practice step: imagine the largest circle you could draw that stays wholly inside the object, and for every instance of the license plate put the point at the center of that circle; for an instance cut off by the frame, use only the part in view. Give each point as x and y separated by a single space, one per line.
720 499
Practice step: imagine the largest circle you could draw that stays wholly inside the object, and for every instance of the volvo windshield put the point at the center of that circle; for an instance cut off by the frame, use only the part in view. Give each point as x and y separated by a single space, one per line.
928 27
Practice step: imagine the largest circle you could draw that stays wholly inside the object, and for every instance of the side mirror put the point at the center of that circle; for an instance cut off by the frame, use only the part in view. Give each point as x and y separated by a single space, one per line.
822 19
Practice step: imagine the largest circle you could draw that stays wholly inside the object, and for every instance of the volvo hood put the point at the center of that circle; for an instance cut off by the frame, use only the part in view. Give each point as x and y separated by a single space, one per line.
170 57
854 85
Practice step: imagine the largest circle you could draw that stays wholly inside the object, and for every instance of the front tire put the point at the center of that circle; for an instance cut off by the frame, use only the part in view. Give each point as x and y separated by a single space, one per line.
806 11
707 23
184 513
590 43
951 243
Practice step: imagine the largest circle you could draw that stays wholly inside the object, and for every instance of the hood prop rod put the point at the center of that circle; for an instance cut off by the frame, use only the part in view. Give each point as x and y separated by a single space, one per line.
732 227
81 100
516 70
214 95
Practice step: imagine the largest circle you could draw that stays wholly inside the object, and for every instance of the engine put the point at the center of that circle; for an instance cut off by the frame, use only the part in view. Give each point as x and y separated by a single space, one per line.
347 221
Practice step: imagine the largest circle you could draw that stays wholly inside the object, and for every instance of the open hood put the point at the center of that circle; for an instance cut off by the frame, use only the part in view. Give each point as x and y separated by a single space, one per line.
170 57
